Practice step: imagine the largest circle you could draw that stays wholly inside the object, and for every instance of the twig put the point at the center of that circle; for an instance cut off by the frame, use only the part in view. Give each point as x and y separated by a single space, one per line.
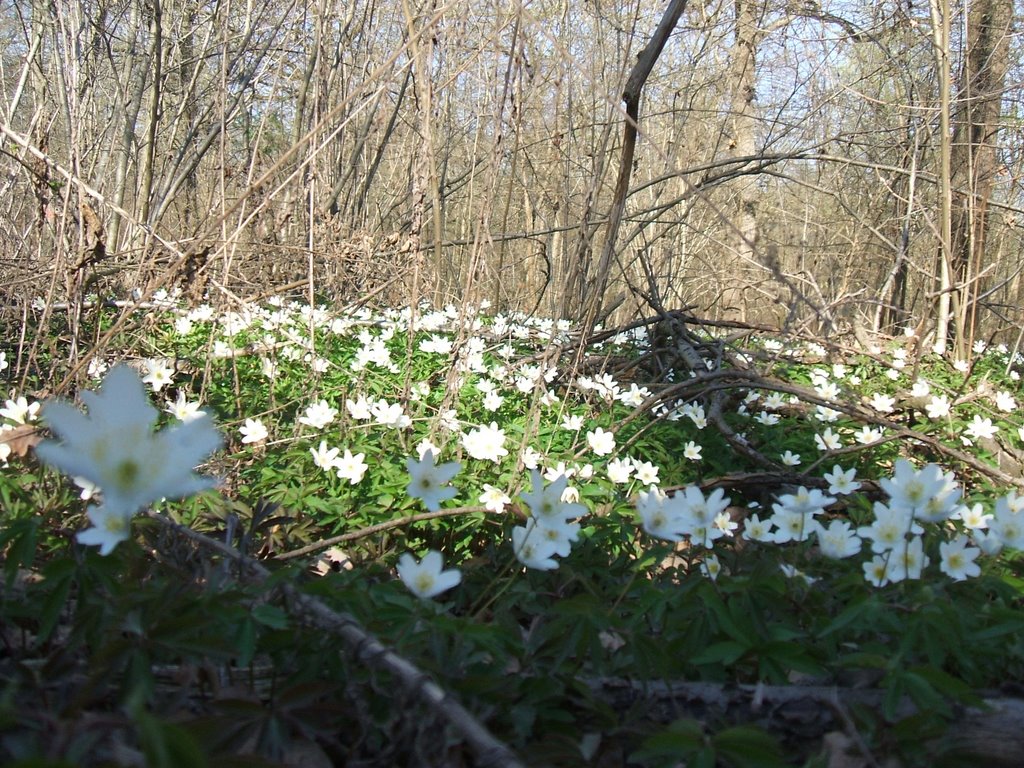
362 533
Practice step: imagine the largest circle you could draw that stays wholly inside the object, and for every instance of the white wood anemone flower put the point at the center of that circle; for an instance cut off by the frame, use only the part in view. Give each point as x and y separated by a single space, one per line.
427 579
428 481
116 448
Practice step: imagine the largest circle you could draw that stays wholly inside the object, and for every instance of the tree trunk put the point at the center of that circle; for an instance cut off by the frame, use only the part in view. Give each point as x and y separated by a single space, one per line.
742 134
974 161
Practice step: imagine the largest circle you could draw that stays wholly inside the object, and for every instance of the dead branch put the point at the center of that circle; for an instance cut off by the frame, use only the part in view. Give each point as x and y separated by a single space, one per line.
367 649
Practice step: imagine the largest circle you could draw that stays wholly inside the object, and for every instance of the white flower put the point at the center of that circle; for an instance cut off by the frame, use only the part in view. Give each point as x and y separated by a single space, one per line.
803 502
658 519
646 473
183 410
97 367
545 501
429 481
790 459
3 361
390 415
867 434
876 571
938 407
572 423
318 415
828 415
359 409
908 560
253 431
531 457
838 541
723 522
493 401
494 499
921 388
756 529
958 559
635 396
485 443
881 402
549 398
110 526
20 411
698 417
768 419
828 441
351 468
323 456
561 533
602 443
89 490
981 428
159 374
426 579
928 494
710 567
792 572
889 529
424 445
841 482
1004 401
448 419
115 448
699 512
620 470
791 526
961 365
692 451
553 473
533 549
973 517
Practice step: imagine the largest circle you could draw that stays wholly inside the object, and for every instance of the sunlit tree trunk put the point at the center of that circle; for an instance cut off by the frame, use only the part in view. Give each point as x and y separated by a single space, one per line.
742 135
974 155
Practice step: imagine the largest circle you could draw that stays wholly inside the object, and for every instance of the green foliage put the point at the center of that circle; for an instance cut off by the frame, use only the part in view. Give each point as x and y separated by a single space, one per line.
170 650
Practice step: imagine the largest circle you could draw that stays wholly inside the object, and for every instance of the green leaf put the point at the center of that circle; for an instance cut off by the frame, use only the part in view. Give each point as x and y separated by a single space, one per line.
924 694
680 740
245 642
18 543
725 652
270 616
745 746
847 617
53 605
166 745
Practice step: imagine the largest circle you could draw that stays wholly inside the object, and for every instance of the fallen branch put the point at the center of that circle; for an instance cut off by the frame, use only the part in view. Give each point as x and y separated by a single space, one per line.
367 649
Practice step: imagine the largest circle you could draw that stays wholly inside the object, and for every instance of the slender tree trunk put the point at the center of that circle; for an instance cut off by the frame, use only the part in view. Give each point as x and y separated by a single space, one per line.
974 159
940 12
743 143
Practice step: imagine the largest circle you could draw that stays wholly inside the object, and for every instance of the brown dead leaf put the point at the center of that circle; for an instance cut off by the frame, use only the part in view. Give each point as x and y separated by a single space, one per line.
21 439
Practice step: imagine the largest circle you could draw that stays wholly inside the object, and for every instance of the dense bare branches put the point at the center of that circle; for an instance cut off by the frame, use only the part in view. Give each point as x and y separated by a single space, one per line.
788 158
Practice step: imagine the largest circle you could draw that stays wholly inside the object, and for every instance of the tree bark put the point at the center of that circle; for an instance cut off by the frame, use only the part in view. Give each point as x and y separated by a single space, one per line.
974 161
742 133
